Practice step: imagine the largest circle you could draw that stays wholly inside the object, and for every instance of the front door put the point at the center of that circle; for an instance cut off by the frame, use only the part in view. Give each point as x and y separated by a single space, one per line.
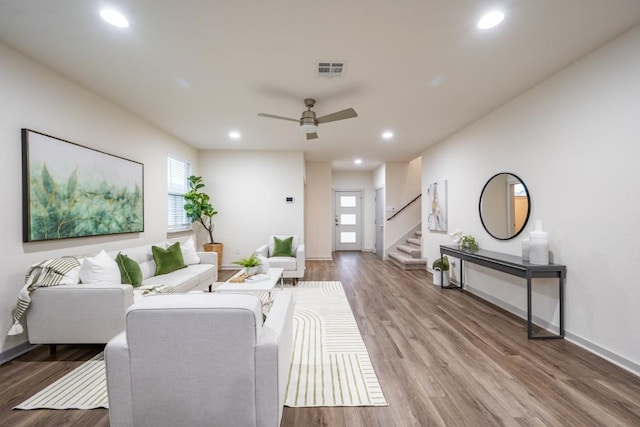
348 220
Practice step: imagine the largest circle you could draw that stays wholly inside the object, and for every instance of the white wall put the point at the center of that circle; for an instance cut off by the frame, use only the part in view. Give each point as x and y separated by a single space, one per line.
318 211
574 140
379 177
402 184
360 181
36 98
248 189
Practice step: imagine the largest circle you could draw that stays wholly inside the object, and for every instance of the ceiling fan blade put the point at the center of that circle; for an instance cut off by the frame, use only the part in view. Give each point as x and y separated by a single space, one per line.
340 115
271 116
312 135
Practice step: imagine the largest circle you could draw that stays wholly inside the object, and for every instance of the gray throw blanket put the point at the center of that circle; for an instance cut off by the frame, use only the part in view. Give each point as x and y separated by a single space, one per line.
51 272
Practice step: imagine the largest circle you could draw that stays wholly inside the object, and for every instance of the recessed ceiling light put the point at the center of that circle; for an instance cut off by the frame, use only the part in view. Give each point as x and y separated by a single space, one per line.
437 80
184 84
234 135
490 20
114 18
387 134
358 161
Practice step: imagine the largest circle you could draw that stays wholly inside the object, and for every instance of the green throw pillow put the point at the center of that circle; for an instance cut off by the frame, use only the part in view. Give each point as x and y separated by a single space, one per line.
168 260
282 247
130 271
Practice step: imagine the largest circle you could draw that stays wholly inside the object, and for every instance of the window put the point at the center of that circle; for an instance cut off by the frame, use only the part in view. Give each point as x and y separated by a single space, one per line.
178 172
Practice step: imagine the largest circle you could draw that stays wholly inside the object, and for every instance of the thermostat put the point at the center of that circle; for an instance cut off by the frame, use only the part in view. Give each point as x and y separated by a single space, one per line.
289 199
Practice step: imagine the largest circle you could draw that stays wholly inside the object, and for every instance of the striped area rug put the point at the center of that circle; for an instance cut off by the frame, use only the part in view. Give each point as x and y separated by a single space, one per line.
83 388
330 365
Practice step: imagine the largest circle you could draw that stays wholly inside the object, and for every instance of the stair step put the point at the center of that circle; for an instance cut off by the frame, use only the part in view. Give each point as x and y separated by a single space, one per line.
414 241
406 262
418 233
412 251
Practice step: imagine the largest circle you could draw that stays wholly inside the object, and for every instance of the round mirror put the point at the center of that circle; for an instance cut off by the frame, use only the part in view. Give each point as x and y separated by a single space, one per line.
504 206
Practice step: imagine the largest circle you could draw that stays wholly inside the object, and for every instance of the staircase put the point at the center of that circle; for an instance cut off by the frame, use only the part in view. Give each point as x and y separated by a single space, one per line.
409 256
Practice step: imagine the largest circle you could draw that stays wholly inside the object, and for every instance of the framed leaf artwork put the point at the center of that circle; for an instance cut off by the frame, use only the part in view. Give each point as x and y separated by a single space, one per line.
69 190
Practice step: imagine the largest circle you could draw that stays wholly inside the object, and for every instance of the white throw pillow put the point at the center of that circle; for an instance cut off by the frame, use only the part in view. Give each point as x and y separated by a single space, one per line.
100 269
188 249
264 264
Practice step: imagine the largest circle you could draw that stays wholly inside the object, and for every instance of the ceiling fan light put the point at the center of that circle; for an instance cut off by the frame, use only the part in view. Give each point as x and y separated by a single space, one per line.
308 128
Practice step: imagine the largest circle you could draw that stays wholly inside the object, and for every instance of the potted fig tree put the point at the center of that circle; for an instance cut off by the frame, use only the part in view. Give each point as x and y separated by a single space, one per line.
199 209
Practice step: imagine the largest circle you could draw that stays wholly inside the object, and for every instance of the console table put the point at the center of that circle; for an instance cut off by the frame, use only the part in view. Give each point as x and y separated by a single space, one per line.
515 266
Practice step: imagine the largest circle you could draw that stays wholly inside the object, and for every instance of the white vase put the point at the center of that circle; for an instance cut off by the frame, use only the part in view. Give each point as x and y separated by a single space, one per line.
538 245
250 271
526 248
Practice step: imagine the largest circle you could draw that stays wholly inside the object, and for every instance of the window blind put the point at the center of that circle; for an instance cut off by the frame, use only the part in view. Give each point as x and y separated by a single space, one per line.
178 172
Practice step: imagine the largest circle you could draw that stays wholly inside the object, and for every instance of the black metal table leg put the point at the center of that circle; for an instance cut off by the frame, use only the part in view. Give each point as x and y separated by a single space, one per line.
529 325
441 271
560 335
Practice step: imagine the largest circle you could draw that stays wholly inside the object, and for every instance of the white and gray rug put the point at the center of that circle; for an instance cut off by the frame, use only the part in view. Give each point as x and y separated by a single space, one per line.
330 365
83 388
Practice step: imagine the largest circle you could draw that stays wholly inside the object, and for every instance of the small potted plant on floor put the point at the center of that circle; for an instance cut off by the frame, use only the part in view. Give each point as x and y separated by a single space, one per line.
199 209
441 265
250 264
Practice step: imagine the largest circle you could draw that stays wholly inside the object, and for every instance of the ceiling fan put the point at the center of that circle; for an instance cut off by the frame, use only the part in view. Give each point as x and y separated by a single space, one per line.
309 123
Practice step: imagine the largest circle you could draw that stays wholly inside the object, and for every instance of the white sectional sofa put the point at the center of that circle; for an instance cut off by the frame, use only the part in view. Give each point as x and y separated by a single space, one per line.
93 313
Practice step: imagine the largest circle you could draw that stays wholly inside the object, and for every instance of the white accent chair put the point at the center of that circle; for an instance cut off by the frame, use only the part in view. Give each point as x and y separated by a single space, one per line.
201 359
293 266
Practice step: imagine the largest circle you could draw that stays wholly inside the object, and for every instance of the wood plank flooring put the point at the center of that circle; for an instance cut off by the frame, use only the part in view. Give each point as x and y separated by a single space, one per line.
443 358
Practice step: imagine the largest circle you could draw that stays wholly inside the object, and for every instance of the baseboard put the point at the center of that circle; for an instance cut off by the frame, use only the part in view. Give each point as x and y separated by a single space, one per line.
319 259
626 364
16 351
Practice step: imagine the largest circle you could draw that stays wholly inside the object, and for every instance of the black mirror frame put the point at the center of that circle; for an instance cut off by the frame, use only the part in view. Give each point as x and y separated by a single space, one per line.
524 225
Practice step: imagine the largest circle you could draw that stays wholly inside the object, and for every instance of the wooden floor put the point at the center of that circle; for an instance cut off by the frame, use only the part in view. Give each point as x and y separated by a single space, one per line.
443 358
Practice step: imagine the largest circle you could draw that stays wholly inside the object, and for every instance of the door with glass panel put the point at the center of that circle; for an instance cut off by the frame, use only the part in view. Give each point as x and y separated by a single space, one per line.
348 221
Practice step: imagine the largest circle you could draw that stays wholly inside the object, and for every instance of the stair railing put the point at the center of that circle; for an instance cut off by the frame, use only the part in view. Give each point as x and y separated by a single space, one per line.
404 207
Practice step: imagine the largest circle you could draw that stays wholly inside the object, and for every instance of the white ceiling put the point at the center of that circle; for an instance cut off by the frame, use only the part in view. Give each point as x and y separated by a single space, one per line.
421 68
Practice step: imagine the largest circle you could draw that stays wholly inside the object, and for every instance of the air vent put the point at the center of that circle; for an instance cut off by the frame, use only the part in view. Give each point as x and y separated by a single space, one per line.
330 68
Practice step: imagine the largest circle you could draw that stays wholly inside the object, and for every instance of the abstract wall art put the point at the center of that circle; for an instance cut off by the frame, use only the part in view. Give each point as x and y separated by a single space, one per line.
74 191
437 208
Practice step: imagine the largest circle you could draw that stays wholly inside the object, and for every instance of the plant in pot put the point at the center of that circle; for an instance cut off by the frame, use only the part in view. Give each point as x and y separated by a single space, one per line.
464 242
468 243
199 209
250 264
441 264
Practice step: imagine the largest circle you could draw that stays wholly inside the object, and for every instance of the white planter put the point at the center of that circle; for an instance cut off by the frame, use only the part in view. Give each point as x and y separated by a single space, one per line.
436 277
250 271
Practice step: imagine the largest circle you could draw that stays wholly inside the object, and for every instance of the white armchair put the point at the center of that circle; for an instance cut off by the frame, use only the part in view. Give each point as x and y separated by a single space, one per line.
201 359
293 266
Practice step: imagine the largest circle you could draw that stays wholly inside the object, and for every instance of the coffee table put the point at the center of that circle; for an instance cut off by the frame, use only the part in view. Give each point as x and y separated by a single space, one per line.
266 285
